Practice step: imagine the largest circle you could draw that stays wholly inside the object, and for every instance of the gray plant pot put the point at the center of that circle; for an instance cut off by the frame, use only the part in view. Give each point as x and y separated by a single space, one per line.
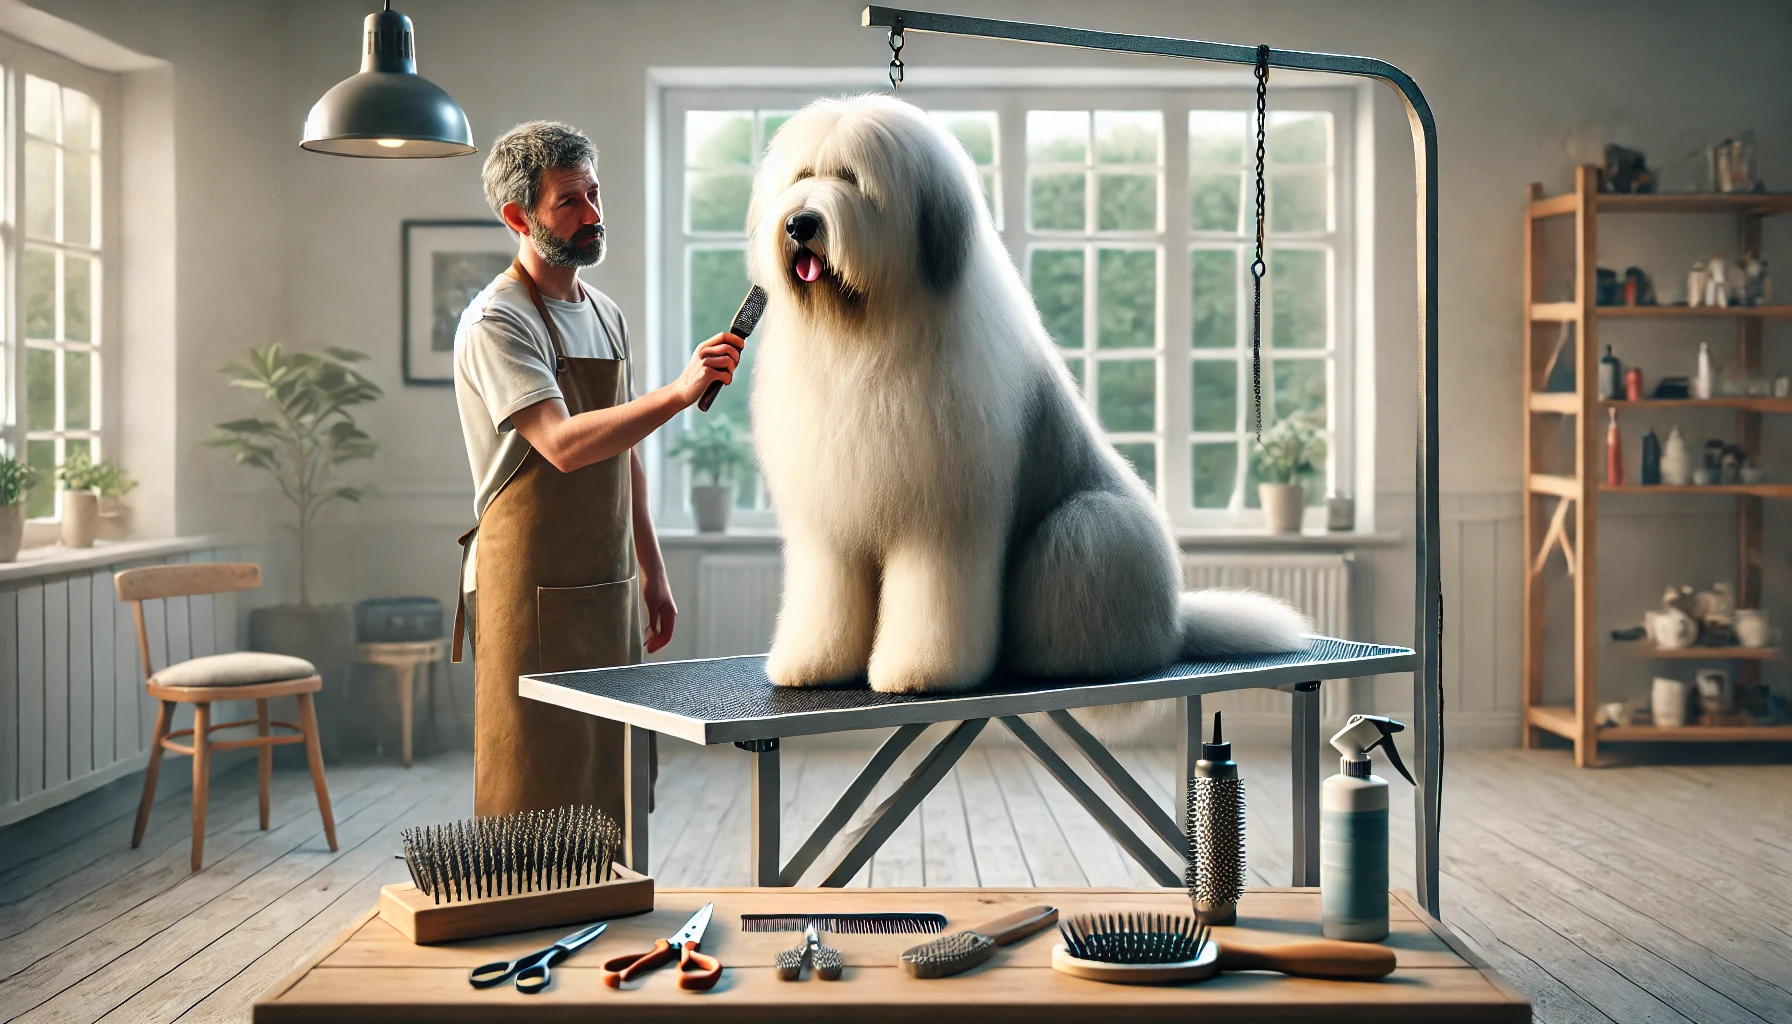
712 504
323 634
12 530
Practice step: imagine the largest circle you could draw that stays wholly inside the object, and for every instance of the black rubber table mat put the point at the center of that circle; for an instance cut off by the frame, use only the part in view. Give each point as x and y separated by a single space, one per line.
722 700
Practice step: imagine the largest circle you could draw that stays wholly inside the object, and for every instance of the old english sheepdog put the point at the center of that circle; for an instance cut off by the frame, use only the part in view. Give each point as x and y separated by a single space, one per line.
947 502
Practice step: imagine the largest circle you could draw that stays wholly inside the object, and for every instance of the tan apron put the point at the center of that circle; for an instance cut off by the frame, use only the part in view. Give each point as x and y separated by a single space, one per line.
555 590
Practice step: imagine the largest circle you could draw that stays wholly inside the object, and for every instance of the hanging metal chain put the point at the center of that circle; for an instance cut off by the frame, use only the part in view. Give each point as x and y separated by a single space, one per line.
1257 265
896 65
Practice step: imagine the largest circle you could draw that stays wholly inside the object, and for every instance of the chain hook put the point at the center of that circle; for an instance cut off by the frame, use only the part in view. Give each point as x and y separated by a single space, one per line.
896 43
1257 264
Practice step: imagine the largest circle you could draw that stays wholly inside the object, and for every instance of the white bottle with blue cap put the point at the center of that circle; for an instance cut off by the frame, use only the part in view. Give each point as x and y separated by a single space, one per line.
1353 833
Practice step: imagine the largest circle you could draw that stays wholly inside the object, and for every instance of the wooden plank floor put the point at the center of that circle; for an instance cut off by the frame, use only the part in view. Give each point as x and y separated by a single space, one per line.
1633 894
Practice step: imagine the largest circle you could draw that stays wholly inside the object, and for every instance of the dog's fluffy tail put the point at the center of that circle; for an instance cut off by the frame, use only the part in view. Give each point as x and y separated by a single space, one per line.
1222 622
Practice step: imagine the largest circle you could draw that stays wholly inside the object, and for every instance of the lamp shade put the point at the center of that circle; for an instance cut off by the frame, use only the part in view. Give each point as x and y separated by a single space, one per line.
388 110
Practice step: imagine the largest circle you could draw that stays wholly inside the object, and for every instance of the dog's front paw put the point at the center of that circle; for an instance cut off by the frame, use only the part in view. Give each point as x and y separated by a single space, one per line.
922 675
789 665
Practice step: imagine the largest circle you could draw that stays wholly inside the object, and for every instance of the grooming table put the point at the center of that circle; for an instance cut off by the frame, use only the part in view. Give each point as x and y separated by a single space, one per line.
371 973
730 700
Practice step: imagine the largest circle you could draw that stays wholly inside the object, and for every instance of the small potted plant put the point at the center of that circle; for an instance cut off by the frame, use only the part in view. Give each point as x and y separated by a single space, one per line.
16 479
714 448
1290 449
80 499
114 483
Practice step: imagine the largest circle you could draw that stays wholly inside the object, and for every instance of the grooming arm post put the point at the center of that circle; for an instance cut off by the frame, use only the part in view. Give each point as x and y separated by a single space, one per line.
1428 639
1303 755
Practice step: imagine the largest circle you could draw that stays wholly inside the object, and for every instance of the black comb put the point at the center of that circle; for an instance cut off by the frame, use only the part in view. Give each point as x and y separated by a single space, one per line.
744 321
847 924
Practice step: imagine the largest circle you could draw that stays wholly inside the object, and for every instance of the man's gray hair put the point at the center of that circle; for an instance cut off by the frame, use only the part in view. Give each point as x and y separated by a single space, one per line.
513 167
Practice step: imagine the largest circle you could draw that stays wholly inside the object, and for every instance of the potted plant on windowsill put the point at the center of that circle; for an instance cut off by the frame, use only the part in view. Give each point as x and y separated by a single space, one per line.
80 499
1290 448
309 434
114 483
714 449
16 479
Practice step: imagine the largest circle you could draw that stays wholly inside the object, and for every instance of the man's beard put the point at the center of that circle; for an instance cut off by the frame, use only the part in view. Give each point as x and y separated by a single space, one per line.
583 249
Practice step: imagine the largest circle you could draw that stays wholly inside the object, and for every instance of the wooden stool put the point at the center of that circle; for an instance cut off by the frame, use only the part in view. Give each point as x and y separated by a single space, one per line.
244 675
403 657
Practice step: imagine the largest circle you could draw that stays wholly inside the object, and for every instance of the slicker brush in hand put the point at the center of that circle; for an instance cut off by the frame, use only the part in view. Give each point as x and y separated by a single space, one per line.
506 855
1216 833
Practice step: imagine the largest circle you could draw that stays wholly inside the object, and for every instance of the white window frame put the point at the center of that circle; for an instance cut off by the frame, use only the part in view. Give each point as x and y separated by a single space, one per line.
673 91
18 59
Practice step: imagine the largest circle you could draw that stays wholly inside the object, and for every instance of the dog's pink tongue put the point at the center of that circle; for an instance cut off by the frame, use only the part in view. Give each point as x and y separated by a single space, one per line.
808 265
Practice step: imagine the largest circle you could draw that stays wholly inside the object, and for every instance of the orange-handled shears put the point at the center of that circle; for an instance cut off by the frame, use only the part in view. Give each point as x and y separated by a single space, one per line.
697 972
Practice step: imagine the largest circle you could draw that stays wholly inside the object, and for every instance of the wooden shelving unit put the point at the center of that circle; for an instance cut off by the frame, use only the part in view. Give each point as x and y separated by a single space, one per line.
1561 512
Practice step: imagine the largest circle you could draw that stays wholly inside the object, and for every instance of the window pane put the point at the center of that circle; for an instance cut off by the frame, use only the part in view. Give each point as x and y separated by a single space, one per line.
1126 202
77 298
988 180
1215 395
40 294
1297 298
40 107
1215 291
1126 294
1298 201
1216 136
1126 394
77 198
1214 200
40 189
1058 136
718 138
40 389
1076 372
718 283
1143 456
1057 281
1215 473
718 200
78 122
1299 387
1128 136
1299 137
41 456
1057 201
974 129
77 390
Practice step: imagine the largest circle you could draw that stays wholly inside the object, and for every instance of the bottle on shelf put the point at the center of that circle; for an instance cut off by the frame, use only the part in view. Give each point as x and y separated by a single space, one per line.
1651 458
1676 470
1611 376
1633 385
1702 384
1614 452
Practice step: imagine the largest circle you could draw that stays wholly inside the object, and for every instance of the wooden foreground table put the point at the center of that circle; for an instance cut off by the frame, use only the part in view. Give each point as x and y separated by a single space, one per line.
371 973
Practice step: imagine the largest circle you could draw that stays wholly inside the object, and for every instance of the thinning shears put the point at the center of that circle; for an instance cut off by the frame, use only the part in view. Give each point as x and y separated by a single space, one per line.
697 972
531 971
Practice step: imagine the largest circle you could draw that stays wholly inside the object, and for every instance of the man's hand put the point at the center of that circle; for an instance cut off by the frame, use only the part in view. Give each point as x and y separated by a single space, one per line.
715 359
662 611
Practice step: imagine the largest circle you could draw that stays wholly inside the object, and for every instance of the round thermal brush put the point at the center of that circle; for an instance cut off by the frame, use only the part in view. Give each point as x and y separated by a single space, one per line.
1216 833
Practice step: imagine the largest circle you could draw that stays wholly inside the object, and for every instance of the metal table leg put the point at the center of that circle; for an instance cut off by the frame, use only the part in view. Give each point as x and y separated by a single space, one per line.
637 795
767 797
1303 752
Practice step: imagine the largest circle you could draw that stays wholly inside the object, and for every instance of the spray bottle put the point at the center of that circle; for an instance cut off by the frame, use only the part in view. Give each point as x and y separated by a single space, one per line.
1353 833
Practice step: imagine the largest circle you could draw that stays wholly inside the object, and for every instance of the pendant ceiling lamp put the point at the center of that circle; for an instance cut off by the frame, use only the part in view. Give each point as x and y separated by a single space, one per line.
388 110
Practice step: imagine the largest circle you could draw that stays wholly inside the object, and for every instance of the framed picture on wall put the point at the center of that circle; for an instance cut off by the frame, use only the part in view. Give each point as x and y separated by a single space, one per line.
446 263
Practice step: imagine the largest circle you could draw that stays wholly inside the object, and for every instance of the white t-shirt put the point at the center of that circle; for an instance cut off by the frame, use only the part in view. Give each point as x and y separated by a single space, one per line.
504 361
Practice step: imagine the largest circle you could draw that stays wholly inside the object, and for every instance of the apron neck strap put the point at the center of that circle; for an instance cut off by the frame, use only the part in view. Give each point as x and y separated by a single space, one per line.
547 318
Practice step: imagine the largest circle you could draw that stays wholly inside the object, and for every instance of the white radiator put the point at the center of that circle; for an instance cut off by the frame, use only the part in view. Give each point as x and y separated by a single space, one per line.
737 603
1318 584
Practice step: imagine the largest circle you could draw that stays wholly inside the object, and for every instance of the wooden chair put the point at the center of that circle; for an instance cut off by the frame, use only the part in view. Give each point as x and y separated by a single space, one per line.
244 675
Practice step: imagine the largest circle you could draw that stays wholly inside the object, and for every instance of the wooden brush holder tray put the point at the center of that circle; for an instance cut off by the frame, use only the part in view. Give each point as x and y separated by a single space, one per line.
418 917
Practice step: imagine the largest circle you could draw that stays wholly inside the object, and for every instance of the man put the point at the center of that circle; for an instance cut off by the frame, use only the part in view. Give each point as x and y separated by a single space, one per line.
564 541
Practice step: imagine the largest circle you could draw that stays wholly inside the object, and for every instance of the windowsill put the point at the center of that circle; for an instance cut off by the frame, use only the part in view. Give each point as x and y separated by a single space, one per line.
56 560
1239 538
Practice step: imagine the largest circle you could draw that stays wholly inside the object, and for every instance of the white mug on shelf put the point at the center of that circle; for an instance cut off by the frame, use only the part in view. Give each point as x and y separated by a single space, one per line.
1667 702
1753 628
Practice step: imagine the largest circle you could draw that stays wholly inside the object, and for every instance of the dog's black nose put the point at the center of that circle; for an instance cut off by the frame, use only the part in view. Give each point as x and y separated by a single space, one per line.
803 225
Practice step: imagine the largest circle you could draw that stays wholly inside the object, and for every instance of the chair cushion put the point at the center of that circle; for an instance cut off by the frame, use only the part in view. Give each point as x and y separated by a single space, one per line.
241 668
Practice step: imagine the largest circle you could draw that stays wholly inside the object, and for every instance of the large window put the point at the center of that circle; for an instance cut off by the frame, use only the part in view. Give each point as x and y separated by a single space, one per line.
54 127
1133 222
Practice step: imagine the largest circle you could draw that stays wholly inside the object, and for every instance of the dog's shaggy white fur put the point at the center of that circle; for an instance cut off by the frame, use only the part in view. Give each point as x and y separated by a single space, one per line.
947 502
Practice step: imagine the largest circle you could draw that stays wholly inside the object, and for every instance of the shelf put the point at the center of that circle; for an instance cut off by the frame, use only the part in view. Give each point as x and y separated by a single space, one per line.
1752 490
1778 405
1764 204
1777 312
1710 653
1560 720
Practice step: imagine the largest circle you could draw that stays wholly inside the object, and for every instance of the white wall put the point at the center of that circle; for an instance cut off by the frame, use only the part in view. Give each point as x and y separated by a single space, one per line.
277 243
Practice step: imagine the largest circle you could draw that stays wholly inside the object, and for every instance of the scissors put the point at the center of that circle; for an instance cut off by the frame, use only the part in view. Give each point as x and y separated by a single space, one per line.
532 971
697 972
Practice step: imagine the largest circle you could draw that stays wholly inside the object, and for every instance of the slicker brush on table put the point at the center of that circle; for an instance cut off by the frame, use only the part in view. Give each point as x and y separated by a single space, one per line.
1216 833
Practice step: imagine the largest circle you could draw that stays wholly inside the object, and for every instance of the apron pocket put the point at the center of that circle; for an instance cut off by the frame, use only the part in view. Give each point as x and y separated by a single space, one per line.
585 627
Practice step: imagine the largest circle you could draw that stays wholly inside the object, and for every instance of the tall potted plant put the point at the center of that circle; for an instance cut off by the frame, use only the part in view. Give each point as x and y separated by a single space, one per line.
308 434
16 479
80 499
1290 449
714 449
